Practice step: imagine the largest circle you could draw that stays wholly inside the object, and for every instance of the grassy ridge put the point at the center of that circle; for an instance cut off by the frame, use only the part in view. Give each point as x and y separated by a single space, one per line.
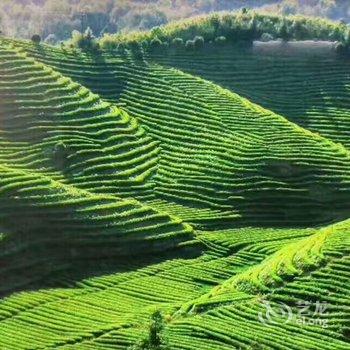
231 319
234 26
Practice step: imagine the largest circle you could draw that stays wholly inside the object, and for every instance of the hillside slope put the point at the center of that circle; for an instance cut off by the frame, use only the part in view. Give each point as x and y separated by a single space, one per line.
48 226
63 178
113 311
310 90
128 187
235 156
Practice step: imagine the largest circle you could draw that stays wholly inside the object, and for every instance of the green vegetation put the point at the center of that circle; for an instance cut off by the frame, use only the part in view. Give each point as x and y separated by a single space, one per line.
308 89
334 9
165 195
236 27
84 41
154 340
296 171
36 39
55 20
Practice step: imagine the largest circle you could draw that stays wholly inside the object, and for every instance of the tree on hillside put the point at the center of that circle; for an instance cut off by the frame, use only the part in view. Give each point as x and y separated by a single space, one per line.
198 42
283 31
156 44
298 30
60 155
136 50
36 39
177 43
85 41
346 39
154 339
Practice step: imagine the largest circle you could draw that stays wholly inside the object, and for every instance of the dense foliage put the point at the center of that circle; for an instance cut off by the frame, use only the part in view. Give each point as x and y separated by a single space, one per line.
245 25
55 20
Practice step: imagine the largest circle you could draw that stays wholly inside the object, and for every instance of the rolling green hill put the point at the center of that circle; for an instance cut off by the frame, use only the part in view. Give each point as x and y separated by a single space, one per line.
113 311
311 91
173 201
209 158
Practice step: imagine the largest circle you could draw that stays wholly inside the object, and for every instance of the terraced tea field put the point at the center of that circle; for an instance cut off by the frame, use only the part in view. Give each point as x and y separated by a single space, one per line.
212 187
311 91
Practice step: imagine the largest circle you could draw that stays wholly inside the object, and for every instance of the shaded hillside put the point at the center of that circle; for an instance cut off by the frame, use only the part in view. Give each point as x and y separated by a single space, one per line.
311 91
67 158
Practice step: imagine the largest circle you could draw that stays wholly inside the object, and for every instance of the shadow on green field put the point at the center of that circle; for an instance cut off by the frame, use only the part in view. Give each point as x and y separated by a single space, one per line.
302 199
59 265
311 91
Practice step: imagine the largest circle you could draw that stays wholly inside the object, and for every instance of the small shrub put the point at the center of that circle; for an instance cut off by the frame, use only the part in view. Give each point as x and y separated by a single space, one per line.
156 43
121 49
198 42
60 155
298 31
157 32
36 39
96 48
177 42
189 45
144 44
283 31
136 49
266 37
154 340
346 38
108 43
155 329
220 40
85 41
341 49
215 23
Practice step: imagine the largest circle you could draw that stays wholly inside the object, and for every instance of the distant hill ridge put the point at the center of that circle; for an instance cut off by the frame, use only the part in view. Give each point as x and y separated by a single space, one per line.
240 26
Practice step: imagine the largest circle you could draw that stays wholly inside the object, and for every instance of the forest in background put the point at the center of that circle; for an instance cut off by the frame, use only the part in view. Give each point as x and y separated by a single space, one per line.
55 20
